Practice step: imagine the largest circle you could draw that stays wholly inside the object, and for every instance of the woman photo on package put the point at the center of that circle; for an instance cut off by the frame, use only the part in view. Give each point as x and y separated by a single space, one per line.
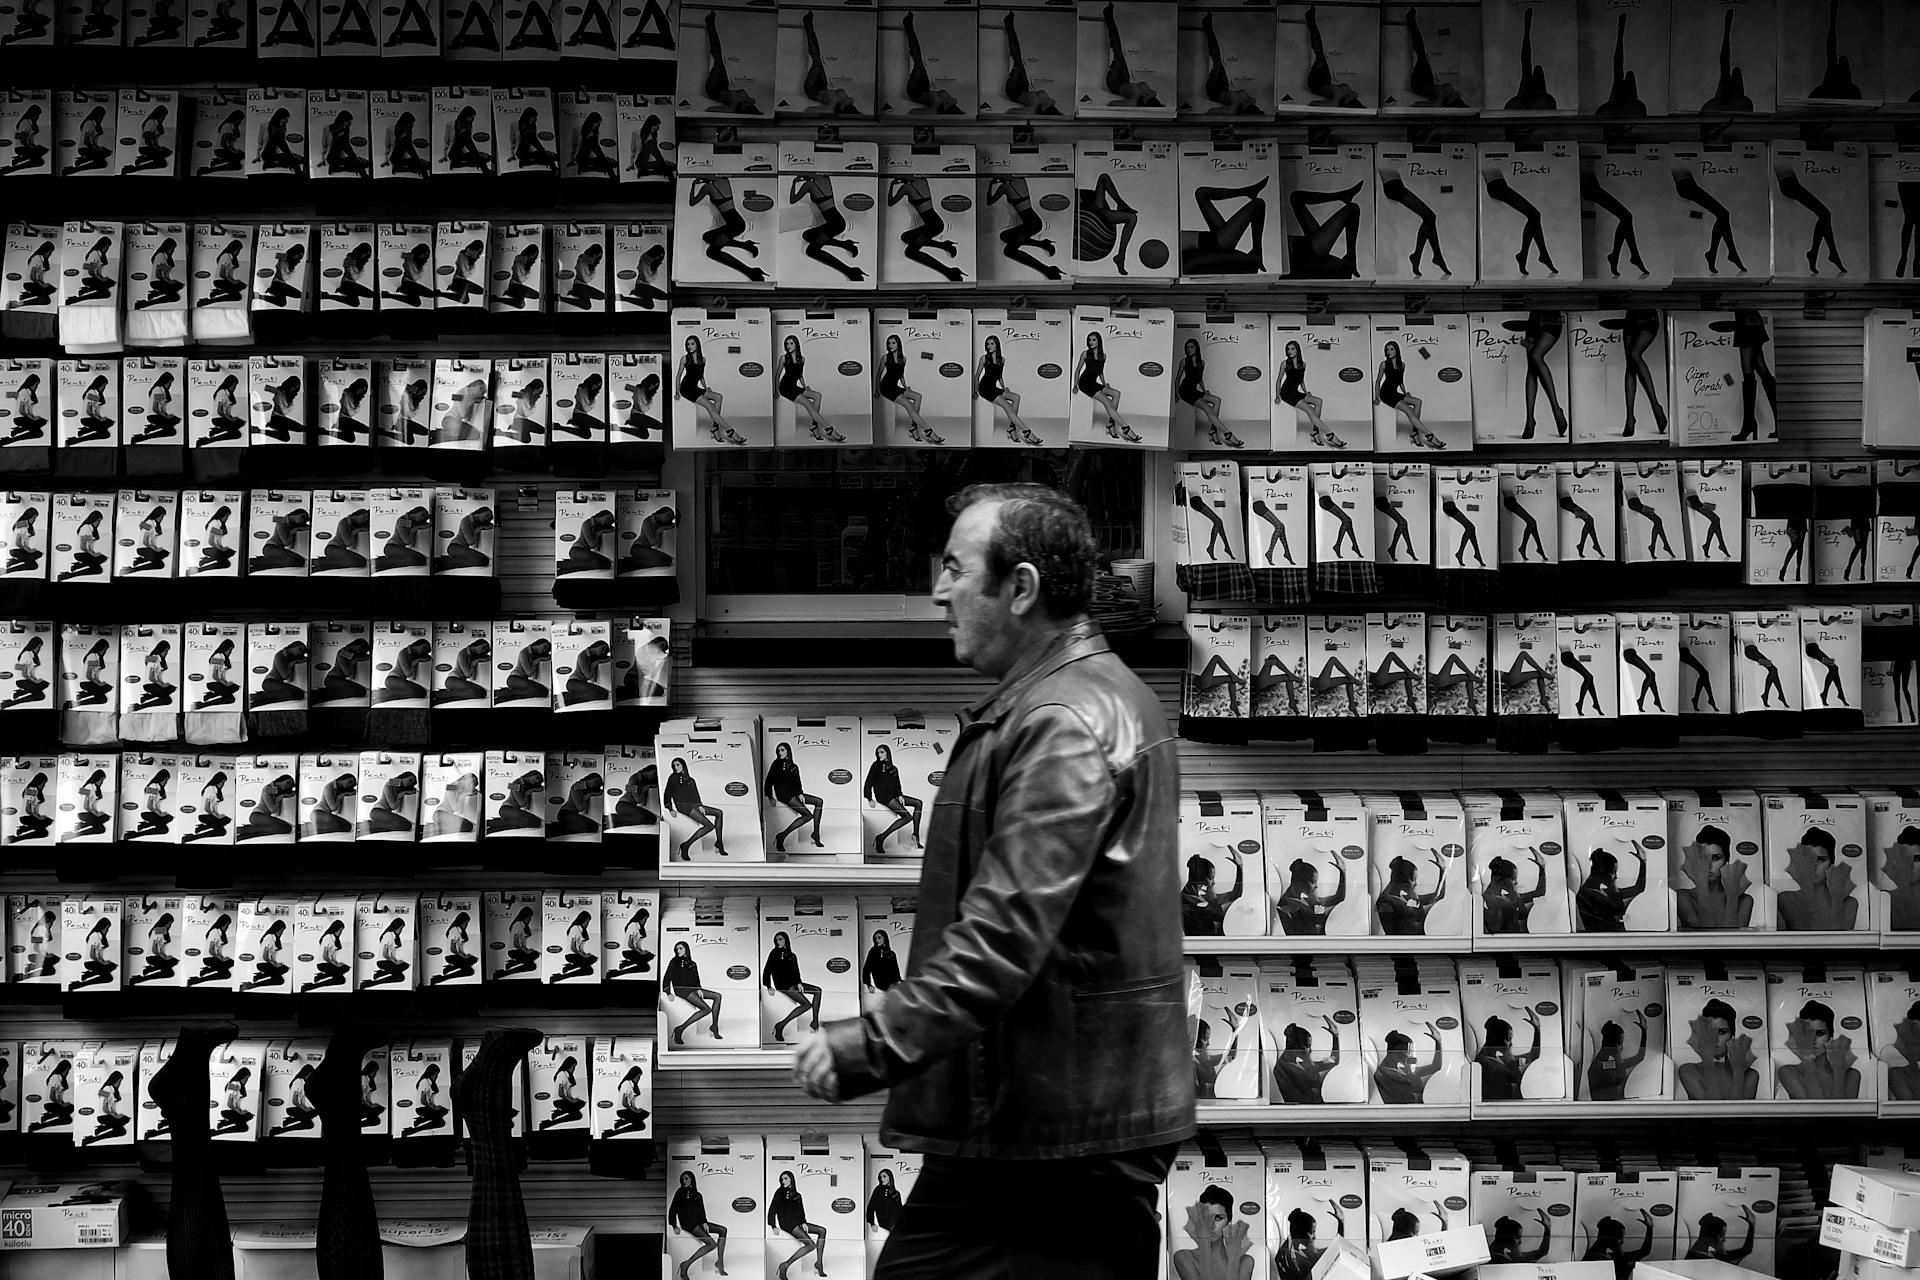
229 282
234 1117
1724 1068
161 420
349 291
289 266
522 957
923 237
459 684
829 231
27 684
723 237
1303 913
1203 908
301 1115
415 285
529 152
1600 903
883 1202
27 151
91 820
579 956
1718 898
806 401
152 153
88 562
35 823
1104 224
784 787
1192 390
43 940
1825 1061
100 275
1390 389
635 958
1501 1069
163 287
1018 241
1623 96
1505 908
274 151
1400 907
155 821
884 788
682 982
642 422
268 820
98 967
583 685
1505 1246
992 388
221 691
56 1111
216 965
1297 1257
458 962
27 423
330 968
95 424
229 144
36 290
1220 1243
1612 1065
638 805
340 154
285 677
585 555
159 963
268 971
1822 899
645 293
589 153
1710 1241
460 151
582 292
156 689
1399 1080
694 390
649 160
781 974
94 687
396 951
681 795
1298 1077
518 292
815 83
92 150
370 1109
688 1210
1090 379
403 149
881 968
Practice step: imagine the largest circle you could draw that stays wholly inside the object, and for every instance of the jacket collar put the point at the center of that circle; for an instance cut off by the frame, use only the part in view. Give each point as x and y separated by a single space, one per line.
1081 640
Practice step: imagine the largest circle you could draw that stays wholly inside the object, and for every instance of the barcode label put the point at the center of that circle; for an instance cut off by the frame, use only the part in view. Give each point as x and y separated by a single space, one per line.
96 1235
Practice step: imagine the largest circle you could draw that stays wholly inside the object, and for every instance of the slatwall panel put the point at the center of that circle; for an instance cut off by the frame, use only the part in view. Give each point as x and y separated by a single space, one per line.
1818 364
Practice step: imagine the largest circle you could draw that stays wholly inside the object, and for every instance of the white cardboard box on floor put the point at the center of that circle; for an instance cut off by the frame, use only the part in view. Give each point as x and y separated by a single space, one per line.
1435 1253
1852 1232
67 1215
1888 1198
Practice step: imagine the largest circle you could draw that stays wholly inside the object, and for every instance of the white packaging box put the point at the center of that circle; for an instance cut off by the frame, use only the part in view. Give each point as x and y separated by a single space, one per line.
1220 380
421 1088
922 393
1728 1215
1890 170
1339 687
1816 860
386 941
1343 524
47 1086
1310 1050
904 758
640 274
1279 662
927 233
829 216
389 797
103 1088
885 938
522 403
1316 853
1223 1012
156 936
635 779
1528 1217
1120 362
1418 863
1435 1252
1517 844
1026 224
1588 645
323 944
90 942
622 1088
1626 1214
1220 847
1329 210
1515 1030
263 936
576 797
1858 1234
822 382
559 1085
286 1109
809 796
584 535
148 1125
1226 1180
1630 214
33 939
1893 853
1885 1196
725 1175
583 670
1530 213
1146 38
1725 1055
523 664
1650 514
1425 216
1820 218
1427 360
926 38
1021 385
1230 225
570 925
64 1216
890 1175
25 515
1890 400
212 936
341 518
1142 180
1517 357
629 937
236 1091
820 934
452 938
746 39
1345 37
516 795
723 394
1716 869
1619 376
1417 1195
1625 891
513 941
1411 1057
147 526
465 533
827 1173
709 786
715 981
1818 1032
1210 491
1529 67
1316 1202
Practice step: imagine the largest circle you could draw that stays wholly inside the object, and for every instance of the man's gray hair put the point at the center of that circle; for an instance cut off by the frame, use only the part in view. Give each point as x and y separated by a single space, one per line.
1046 529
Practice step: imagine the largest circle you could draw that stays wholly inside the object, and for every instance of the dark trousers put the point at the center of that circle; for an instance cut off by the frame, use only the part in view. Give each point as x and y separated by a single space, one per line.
1008 1220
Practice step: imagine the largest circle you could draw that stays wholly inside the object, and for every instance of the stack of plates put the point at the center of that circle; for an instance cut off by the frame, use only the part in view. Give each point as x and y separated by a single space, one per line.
1116 608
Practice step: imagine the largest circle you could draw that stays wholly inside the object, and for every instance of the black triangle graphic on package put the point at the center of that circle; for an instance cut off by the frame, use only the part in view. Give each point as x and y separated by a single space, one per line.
652 31
361 31
479 15
594 28
292 16
536 29
414 27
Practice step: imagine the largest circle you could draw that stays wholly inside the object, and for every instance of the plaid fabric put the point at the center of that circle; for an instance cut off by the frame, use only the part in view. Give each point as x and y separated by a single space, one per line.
199 1243
499 1246
1281 586
347 1243
1346 577
1215 581
1468 590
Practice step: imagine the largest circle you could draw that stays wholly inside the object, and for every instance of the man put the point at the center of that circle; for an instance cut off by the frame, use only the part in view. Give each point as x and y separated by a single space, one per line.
1037 1047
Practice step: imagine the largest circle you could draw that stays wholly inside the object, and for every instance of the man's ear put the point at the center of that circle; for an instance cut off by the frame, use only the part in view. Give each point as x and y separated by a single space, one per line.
1026 589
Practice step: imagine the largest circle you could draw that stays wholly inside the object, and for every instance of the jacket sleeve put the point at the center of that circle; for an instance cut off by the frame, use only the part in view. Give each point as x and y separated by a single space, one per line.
1055 801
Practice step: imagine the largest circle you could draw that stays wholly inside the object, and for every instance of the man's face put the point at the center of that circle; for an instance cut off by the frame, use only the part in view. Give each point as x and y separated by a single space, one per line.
979 613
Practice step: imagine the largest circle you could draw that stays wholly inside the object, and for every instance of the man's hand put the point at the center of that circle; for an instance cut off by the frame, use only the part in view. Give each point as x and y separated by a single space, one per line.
813 1068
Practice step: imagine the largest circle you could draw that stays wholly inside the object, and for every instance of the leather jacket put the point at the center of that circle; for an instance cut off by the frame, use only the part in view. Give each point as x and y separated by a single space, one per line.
1043 1013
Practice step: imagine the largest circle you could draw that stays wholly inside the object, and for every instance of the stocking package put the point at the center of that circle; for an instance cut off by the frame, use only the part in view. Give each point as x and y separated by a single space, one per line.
922 392
1208 1177
1423 399
1230 225
347 277
1026 218
1624 59
1650 513
1820 215
1528 1216
91 932
905 757
1126 61
1027 58
1726 230
1620 1036
1514 1029
1816 861
401 131
1530 212
886 937
1627 1215
1321 391
1311 1051
825 59
807 973
570 923
1519 865
1329 209
629 933
1893 841
1729 1215
1895 997
728 57
722 394
1893 209
649 139
1316 850
809 796
1520 376
559 1085
1725 1056
1225 894
1337 672
929 61
724 223
1021 390
1891 417
1425 215
1717 871
707 990
329 797
1530 58
927 231
1343 530
832 240
1830 57
523 664
816 1177
1223 1011
1818 1019
1277 514
1226 61
709 786
1430 58
1328 58
1419 866
823 389
1127 221
1466 504
1415 1195
1120 376
1723 383
1630 215
1619 847
513 943
1738 79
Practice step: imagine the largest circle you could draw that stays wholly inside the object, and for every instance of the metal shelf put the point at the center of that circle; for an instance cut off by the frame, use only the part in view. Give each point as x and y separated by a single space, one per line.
1702 940
1219 1115
848 874
1316 946
755 1059
1646 1109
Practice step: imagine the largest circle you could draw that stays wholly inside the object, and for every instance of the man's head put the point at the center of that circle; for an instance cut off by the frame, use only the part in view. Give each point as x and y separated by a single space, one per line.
1018 567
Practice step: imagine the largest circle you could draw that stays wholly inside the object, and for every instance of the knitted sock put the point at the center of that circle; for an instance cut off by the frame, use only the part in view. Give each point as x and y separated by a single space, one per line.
29 326
25 462
149 726
199 1244
88 465
217 467
157 328
214 728
279 722
156 461
89 728
406 727
222 326
90 330
577 459
499 1246
348 1243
